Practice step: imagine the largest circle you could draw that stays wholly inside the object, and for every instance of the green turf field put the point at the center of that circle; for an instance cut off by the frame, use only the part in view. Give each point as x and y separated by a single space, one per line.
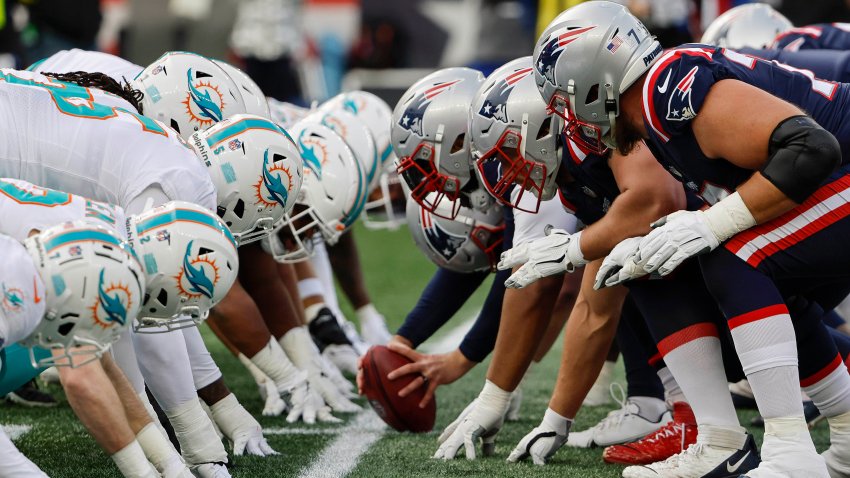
396 273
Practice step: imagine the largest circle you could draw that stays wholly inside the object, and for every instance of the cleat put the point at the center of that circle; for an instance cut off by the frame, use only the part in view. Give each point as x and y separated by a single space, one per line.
210 470
623 425
374 331
669 440
742 395
718 453
29 395
599 393
837 457
788 451
325 330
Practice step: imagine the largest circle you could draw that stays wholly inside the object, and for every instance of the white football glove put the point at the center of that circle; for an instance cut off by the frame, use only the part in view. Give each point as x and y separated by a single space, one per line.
675 239
542 442
343 357
305 403
556 253
210 470
345 386
240 428
274 405
482 419
620 266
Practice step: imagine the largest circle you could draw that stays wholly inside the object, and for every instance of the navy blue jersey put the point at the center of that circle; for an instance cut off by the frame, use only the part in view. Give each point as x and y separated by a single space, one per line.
823 36
677 85
827 64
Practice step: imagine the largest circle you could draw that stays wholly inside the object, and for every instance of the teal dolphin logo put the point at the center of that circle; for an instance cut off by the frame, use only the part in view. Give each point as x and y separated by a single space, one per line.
13 297
274 184
199 283
308 155
350 105
209 109
112 305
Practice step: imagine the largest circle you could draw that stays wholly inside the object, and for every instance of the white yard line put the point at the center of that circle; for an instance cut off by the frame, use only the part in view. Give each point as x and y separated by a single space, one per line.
353 440
16 431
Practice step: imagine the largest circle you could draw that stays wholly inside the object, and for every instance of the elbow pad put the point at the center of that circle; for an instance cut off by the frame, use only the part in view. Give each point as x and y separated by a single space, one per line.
801 155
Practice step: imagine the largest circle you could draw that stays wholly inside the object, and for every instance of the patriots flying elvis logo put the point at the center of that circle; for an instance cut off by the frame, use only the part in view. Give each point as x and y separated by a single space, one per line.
411 120
679 107
441 241
274 184
208 109
199 282
116 311
495 105
550 52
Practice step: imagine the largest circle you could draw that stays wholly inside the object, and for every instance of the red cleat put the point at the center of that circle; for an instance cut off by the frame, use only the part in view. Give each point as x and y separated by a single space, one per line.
669 440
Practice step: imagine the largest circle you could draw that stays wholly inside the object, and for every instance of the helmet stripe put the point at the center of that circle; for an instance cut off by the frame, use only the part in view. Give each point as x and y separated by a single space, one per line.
81 236
241 126
187 215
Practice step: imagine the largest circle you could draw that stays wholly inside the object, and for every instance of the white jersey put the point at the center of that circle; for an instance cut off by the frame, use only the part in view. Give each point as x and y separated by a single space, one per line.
67 61
93 144
25 207
22 302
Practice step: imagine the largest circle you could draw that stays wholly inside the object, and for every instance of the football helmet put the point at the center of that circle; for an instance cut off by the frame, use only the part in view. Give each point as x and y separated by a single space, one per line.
257 172
286 114
188 92
470 242
385 205
586 58
356 135
429 136
190 262
330 197
375 114
94 286
753 25
509 126
252 96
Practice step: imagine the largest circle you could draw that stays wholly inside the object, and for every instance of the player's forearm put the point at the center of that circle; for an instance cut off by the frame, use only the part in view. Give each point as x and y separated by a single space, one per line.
345 261
96 403
629 216
763 199
525 317
590 329
481 338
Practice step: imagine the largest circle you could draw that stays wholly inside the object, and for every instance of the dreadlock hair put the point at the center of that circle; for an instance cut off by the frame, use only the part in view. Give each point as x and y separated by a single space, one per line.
103 82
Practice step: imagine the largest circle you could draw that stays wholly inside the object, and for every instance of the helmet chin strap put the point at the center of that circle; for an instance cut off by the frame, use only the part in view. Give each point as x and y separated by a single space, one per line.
611 107
523 134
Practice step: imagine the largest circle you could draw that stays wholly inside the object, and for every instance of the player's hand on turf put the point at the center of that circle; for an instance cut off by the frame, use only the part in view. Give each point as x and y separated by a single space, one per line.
556 253
240 428
674 239
479 422
305 403
433 370
345 387
274 405
330 393
620 266
542 442
249 440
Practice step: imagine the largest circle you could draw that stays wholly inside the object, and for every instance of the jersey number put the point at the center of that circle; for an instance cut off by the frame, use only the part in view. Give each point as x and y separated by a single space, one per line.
822 87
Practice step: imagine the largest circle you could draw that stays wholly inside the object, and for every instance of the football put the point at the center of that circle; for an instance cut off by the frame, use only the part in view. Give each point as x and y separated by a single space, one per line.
403 414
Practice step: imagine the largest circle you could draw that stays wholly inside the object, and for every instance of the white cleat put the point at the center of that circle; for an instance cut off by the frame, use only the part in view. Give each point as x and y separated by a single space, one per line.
624 425
360 346
210 470
344 357
374 331
599 393
718 453
788 451
837 457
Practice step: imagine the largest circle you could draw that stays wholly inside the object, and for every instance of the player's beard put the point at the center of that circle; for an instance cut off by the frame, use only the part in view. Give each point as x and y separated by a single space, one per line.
626 137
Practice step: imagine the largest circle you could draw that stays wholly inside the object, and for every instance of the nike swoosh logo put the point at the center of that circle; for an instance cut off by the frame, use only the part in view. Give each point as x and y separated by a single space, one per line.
733 467
663 88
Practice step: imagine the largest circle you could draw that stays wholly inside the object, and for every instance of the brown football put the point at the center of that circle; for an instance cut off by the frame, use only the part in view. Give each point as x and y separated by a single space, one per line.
403 414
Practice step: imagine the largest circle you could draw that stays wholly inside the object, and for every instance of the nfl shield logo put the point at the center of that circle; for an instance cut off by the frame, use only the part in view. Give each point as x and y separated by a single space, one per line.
234 144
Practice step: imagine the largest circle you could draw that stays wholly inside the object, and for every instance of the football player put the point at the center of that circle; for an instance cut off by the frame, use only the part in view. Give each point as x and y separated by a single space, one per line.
716 97
46 304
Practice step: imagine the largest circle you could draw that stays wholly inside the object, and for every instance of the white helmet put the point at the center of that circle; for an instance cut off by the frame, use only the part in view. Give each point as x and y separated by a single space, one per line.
468 243
256 170
286 114
330 199
376 114
754 25
509 126
94 286
190 263
188 92
429 136
252 95
586 58
384 208
356 135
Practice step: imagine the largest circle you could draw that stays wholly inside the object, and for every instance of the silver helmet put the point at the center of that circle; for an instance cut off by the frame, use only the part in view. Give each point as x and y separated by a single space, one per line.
429 136
510 128
468 243
754 25
585 59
